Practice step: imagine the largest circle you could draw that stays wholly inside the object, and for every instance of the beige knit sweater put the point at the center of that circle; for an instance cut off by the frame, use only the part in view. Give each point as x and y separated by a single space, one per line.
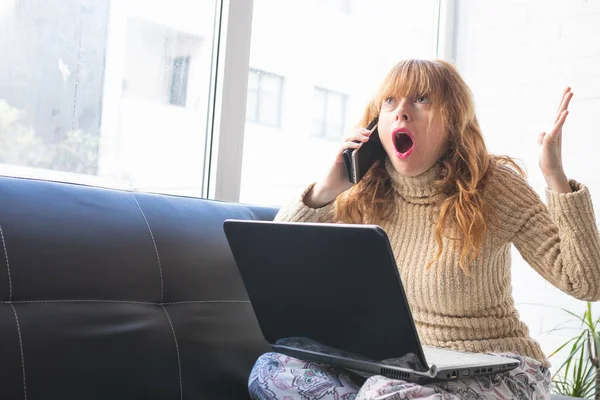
477 313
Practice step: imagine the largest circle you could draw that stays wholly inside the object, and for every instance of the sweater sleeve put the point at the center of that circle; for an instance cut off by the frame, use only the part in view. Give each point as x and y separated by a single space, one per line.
298 211
560 241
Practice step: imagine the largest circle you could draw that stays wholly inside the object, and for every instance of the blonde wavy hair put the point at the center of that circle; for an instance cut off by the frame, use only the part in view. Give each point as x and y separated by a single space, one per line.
465 164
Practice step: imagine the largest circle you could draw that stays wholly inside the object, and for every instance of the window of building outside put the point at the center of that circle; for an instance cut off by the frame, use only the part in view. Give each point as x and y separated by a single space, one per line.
329 114
179 80
107 92
331 63
264 102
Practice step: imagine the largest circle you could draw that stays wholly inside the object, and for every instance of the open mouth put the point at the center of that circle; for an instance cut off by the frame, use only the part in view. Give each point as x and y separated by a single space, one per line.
403 143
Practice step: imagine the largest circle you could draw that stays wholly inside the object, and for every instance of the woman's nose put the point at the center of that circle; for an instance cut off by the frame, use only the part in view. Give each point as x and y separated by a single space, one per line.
401 112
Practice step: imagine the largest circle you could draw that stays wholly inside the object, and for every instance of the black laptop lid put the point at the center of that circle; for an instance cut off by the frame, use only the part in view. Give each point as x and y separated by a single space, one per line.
337 285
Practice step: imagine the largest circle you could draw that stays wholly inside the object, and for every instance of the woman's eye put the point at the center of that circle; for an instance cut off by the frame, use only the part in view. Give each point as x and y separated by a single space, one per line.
390 100
423 99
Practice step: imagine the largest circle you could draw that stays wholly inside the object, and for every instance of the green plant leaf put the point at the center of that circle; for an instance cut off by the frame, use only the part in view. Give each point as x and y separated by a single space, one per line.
588 317
565 344
578 372
577 346
588 382
580 318
577 375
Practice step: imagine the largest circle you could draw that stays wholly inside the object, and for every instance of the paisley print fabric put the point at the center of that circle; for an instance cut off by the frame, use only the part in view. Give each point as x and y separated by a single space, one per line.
279 377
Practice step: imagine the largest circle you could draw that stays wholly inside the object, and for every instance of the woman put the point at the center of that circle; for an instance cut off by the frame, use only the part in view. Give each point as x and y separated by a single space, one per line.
452 211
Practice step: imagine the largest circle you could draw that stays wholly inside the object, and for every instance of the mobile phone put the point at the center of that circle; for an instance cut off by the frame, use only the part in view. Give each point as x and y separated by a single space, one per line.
359 161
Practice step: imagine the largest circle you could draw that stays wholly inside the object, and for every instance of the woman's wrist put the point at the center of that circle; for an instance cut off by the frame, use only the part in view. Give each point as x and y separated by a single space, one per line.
319 196
558 183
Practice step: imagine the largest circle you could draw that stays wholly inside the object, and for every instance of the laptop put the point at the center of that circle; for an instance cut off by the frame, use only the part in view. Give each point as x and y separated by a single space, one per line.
332 294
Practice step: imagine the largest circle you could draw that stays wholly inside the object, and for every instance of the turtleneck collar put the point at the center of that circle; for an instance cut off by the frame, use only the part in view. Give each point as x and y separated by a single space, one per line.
418 189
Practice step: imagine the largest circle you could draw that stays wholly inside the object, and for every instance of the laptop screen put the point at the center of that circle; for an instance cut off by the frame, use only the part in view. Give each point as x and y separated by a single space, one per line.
329 286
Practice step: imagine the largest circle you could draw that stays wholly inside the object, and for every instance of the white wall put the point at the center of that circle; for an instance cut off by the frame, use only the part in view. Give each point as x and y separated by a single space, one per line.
517 56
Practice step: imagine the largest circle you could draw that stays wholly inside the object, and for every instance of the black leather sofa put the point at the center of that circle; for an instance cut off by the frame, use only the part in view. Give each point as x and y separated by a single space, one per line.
108 294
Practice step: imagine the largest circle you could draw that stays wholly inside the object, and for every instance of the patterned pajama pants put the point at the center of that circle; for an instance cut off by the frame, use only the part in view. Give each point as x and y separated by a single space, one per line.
279 377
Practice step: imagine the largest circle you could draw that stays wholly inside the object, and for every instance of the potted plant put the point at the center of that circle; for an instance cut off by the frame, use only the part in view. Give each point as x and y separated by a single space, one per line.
579 374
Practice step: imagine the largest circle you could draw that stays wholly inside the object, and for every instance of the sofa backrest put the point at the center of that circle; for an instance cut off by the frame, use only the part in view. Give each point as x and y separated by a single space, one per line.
108 294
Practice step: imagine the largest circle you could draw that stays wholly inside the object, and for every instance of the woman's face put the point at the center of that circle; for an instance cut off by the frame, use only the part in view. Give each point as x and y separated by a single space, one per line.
412 135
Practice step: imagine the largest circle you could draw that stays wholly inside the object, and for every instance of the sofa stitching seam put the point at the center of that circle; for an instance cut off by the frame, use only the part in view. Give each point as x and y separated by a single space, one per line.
251 213
10 289
155 247
22 354
177 350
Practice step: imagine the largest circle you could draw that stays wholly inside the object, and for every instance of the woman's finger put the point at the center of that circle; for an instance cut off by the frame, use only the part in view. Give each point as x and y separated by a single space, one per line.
357 135
351 145
557 128
541 138
561 120
562 99
564 104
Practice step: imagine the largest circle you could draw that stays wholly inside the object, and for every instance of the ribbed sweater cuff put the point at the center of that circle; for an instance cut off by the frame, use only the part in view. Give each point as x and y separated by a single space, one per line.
574 208
300 212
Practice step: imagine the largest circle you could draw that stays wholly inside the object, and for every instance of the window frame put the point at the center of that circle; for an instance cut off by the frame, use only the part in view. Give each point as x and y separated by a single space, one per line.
446 30
227 108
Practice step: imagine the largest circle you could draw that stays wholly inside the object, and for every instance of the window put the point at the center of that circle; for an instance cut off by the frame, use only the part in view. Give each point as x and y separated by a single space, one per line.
264 98
113 92
179 80
344 56
329 114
